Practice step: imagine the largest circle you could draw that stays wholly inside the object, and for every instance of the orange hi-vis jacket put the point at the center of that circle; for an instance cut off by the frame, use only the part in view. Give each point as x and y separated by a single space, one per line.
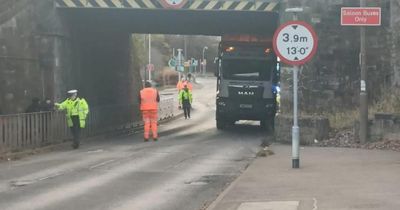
179 85
149 99
188 84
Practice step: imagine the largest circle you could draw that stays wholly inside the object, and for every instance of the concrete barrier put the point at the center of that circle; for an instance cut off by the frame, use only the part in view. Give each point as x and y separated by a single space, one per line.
311 128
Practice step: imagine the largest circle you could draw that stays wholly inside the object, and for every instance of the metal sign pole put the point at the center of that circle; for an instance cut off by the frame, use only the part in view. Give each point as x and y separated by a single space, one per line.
295 42
295 128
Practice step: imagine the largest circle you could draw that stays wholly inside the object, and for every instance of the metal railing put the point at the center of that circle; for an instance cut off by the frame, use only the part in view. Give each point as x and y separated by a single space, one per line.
23 131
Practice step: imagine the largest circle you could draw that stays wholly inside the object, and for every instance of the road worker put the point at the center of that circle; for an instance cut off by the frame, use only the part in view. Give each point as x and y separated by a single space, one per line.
188 84
149 99
185 101
179 85
77 110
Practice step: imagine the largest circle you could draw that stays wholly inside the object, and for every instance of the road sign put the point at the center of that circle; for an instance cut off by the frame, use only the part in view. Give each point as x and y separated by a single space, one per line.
150 67
173 4
360 16
172 63
186 64
295 42
180 68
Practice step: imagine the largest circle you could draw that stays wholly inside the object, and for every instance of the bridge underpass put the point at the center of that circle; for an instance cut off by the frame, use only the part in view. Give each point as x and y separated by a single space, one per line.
100 36
184 170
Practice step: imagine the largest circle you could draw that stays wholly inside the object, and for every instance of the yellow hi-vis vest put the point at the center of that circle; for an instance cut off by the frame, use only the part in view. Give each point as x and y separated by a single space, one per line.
78 107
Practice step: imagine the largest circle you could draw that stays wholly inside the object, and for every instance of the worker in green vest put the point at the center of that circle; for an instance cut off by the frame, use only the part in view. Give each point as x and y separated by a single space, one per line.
76 110
185 101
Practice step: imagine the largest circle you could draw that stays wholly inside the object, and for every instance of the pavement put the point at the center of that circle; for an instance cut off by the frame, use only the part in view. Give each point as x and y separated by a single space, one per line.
328 179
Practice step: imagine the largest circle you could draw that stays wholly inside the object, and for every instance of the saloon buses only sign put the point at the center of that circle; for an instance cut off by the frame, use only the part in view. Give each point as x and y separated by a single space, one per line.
361 16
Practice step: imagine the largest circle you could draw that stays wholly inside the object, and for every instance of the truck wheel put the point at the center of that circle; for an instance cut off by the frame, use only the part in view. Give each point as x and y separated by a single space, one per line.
263 124
272 125
267 125
220 124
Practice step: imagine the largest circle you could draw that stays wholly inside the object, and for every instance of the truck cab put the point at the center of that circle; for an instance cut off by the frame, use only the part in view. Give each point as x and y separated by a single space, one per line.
247 76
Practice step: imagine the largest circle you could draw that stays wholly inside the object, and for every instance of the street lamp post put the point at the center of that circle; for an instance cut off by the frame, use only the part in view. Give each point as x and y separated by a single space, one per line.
148 67
179 63
202 63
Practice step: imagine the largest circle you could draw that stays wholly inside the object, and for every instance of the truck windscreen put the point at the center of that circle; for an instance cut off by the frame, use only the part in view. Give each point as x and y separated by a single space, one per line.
247 69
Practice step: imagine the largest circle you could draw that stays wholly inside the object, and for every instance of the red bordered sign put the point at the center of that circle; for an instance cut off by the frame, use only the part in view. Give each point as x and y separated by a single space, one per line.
173 4
360 16
295 42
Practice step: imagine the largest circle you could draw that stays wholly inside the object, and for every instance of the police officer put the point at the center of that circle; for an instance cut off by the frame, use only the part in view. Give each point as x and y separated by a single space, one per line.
76 110
149 99
185 100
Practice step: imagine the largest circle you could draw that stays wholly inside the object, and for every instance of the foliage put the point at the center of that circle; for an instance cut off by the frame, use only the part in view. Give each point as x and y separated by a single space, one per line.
389 102
343 119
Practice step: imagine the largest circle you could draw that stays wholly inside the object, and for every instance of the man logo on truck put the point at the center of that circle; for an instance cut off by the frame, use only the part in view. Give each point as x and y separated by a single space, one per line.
246 93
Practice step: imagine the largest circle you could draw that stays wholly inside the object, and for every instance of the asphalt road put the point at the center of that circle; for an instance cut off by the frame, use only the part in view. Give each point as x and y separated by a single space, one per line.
185 170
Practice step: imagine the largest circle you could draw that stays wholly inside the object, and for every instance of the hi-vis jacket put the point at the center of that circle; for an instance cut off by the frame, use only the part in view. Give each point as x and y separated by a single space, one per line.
185 95
181 85
78 107
149 99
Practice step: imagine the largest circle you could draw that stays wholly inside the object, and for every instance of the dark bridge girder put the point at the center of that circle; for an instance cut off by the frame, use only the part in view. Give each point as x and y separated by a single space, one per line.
185 22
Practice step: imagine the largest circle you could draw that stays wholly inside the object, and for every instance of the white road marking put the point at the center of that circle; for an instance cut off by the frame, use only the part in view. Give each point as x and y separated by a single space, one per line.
315 207
272 205
101 164
95 151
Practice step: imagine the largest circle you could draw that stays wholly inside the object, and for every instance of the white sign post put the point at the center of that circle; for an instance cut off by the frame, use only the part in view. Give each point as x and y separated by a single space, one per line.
295 43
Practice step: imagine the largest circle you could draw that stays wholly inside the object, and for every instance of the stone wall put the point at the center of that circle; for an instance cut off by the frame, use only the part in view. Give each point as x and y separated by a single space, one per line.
382 126
311 128
44 52
395 45
331 81
31 39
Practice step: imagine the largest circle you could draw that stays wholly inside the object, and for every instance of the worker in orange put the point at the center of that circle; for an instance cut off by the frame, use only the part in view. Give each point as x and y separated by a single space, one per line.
149 99
179 85
188 83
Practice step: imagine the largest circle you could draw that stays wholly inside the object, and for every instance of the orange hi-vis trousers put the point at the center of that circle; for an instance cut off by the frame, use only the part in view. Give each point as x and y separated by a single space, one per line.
150 118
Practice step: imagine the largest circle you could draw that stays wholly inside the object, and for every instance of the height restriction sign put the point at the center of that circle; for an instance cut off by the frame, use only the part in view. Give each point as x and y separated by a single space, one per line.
174 4
295 42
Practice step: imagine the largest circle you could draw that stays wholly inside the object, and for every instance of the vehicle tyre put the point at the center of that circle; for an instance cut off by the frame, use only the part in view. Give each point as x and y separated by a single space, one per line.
221 124
268 125
263 124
